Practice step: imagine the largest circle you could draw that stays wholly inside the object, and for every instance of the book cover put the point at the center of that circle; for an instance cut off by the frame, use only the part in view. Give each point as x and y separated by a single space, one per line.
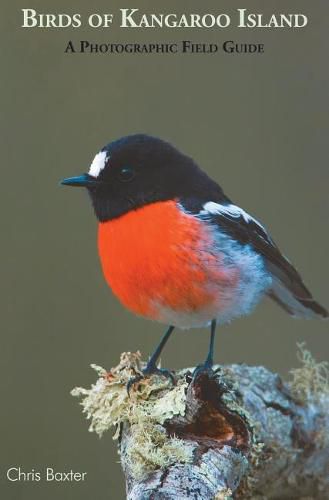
242 89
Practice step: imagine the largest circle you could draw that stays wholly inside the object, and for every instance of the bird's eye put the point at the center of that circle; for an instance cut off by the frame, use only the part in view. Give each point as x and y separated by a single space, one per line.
126 174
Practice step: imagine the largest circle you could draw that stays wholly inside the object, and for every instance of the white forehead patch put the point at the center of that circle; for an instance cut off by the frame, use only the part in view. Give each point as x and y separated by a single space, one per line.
98 163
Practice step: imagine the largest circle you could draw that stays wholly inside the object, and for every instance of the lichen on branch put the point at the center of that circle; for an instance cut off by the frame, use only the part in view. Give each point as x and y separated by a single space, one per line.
108 406
311 380
237 432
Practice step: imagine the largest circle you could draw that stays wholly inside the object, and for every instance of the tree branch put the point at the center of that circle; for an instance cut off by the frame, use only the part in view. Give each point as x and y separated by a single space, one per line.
240 432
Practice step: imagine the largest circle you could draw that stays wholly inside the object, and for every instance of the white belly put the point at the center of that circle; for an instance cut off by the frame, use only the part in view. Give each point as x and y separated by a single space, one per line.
230 302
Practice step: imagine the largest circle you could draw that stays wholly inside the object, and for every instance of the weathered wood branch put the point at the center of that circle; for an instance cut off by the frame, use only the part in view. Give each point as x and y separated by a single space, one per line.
240 432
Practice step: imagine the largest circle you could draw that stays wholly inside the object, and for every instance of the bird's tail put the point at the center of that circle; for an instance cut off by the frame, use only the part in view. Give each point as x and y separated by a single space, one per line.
293 296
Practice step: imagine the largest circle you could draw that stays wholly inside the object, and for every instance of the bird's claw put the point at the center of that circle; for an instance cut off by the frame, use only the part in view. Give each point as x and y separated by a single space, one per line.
163 372
148 371
133 381
203 368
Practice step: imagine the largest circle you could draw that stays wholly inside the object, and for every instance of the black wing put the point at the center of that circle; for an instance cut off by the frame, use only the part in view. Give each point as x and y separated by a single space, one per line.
288 288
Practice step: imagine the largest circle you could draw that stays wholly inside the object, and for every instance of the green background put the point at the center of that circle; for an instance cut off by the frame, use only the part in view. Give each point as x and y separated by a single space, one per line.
257 124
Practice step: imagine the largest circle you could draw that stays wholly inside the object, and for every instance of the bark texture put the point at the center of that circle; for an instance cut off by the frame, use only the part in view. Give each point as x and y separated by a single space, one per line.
237 432
251 439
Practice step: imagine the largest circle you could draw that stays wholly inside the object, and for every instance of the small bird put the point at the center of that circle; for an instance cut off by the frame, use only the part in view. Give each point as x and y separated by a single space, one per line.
174 248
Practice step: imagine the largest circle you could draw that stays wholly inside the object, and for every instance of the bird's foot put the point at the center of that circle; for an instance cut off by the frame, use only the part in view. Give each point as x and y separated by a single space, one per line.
203 369
148 371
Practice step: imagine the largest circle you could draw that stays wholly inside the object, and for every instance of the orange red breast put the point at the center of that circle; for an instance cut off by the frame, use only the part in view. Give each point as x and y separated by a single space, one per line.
159 258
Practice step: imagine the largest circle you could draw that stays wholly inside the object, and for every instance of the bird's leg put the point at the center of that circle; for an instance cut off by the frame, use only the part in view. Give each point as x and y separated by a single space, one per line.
151 366
208 364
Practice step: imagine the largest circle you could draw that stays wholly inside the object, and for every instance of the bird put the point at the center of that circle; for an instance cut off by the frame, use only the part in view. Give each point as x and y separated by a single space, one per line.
175 249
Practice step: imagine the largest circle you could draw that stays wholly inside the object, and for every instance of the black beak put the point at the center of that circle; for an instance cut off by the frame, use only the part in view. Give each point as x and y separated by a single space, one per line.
83 180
